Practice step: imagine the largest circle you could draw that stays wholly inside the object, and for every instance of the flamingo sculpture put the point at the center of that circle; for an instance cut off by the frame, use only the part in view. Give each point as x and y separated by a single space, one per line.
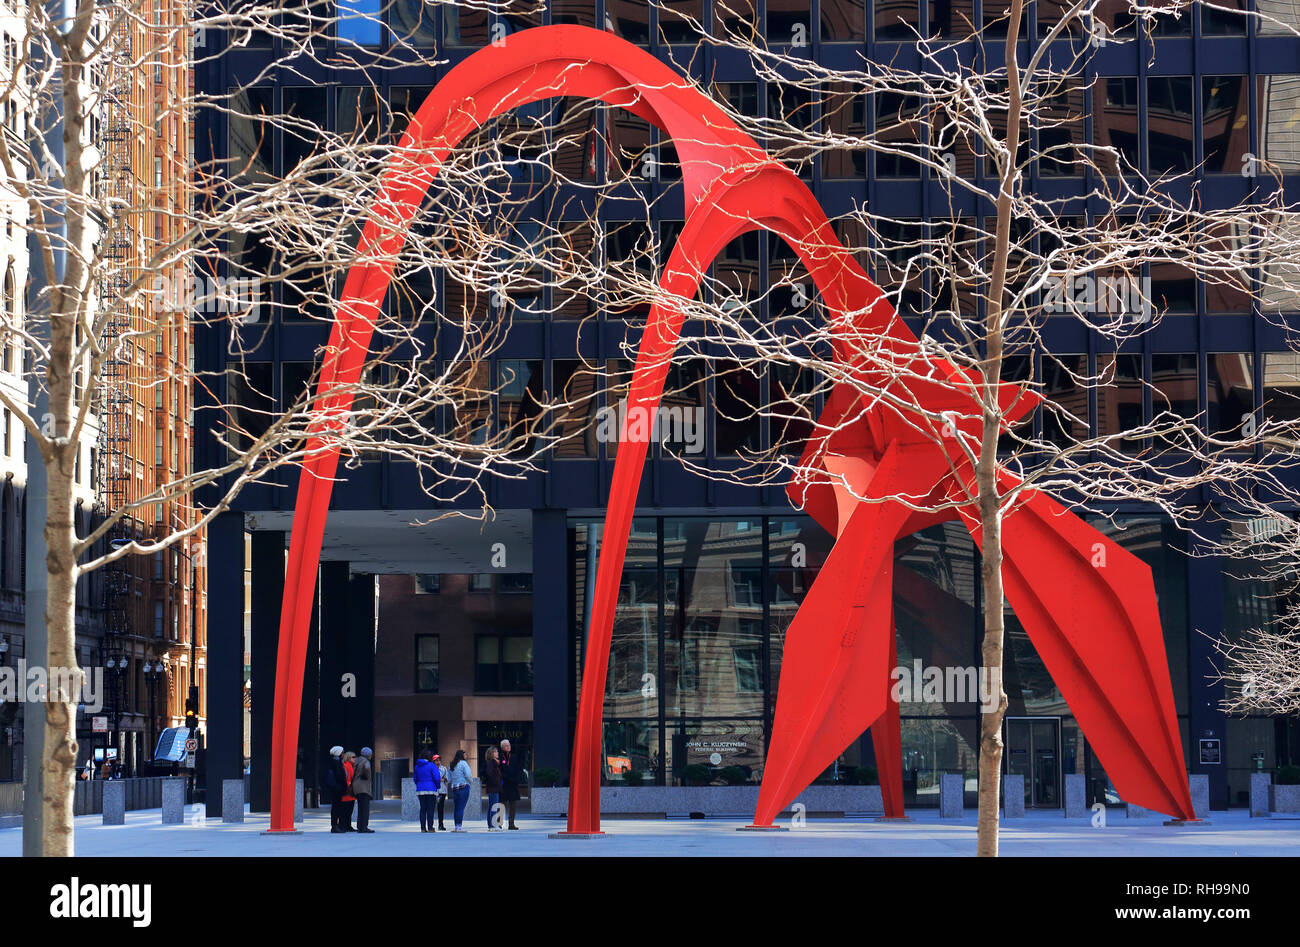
889 447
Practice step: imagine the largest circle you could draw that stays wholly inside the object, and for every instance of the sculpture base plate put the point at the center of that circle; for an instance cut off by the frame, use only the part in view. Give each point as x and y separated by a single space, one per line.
762 828
894 818
578 835
1187 823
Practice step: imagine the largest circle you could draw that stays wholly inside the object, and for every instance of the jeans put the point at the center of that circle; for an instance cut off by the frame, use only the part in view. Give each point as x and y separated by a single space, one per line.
494 799
459 799
427 801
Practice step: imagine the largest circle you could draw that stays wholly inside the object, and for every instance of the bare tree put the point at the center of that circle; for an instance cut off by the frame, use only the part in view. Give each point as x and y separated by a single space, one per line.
128 256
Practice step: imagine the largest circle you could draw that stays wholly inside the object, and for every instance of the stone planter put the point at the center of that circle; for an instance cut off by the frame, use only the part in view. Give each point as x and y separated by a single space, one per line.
1284 801
711 801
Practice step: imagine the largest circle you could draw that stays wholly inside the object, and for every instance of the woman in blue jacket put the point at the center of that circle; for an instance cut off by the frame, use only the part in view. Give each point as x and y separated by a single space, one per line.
427 780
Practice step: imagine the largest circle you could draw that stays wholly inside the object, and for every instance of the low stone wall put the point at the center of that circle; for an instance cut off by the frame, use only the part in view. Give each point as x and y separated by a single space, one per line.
143 793
736 801
11 798
1284 800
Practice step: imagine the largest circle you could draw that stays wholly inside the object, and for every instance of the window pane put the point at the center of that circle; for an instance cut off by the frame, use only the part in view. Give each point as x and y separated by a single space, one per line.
1119 398
1279 134
1225 123
1115 121
1230 393
1065 414
897 20
842 21
1281 395
1169 120
629 19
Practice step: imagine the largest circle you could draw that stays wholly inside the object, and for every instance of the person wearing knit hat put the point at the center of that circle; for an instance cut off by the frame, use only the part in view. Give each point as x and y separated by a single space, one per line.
362 783
335 785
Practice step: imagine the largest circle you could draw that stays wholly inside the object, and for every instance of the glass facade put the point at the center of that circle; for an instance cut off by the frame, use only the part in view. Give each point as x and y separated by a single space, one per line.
703 609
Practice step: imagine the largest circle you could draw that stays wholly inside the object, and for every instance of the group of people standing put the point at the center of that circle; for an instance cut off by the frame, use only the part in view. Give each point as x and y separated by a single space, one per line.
349 780
502 773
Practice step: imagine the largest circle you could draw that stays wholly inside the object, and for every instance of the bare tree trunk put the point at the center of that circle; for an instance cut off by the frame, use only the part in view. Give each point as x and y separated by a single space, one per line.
68 307
986 474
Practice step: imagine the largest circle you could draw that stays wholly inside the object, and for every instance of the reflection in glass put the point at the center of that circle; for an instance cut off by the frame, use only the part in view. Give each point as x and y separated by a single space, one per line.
1065 413
520 397
1225 125
1174 384
630 746
1170 138
898 125
1119 398
897 20
629 19
844 115
1062 132
933 747
1224 22
737 407
789 22
1281 394
412 22
1115 122
797 547
713 612
1279 133
1229 393
464 26
576 388
952 19
842 21
634 648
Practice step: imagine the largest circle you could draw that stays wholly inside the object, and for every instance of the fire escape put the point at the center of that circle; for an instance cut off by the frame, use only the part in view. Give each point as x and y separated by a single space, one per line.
113 470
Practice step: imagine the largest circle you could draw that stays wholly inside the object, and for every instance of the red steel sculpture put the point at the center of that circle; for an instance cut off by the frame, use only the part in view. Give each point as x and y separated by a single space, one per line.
888 447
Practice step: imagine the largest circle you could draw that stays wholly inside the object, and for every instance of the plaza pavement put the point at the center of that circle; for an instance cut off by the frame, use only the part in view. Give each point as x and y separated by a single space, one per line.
1231 833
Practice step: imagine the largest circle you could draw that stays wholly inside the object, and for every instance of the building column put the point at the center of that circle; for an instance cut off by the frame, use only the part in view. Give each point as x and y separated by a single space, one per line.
1206 719
552 684
224 754
335 661
267 600
359 709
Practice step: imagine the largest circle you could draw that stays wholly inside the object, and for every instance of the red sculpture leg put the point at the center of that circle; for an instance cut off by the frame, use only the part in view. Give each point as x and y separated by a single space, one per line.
887 741
1089 607
837 645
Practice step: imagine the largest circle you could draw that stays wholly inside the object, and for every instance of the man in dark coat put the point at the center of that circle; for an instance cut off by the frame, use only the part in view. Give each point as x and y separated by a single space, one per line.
336 784
512 774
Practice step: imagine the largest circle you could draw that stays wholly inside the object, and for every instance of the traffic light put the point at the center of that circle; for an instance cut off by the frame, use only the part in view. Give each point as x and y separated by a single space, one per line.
191 714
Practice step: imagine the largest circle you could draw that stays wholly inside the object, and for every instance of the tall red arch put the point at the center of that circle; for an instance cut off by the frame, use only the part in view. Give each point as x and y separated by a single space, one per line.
835 674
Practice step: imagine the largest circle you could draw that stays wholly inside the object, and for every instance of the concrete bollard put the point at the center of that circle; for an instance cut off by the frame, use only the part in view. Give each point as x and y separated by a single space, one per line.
410 801
1135 812
173 800
474 808
1076 796
1259 783
1013 796
114 802
299 790
951 788
1200 786
232 800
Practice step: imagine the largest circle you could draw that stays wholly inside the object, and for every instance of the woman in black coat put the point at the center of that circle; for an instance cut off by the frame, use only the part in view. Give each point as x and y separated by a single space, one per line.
491 783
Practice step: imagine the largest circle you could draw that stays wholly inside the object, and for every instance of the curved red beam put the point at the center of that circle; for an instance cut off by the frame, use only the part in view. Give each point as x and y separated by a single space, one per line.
731 187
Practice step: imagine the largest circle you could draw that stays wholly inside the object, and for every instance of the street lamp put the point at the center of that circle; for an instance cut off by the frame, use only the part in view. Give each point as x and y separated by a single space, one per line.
118 667
151 672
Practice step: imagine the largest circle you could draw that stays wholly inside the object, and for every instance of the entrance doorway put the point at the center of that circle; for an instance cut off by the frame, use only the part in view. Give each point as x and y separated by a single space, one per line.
1033 750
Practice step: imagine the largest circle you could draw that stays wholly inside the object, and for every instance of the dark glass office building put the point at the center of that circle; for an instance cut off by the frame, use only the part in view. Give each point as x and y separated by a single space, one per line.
471 633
